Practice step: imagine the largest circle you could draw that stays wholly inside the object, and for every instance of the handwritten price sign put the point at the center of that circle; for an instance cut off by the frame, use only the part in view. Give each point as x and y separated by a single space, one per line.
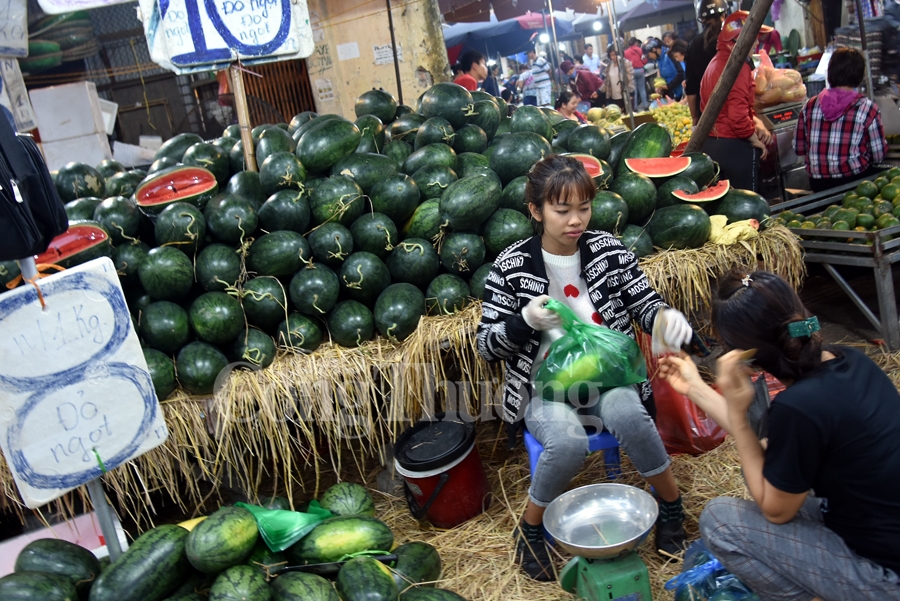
187 36
75 393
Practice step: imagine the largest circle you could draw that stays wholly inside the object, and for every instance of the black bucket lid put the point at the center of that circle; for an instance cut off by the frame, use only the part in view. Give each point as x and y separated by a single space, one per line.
432 444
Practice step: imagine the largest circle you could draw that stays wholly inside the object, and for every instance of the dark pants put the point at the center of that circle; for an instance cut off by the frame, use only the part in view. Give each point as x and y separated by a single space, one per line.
529 100
827 183
619 102
738 161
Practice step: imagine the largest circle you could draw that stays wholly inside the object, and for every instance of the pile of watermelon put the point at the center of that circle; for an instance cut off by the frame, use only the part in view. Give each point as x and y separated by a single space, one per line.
224 558
351 229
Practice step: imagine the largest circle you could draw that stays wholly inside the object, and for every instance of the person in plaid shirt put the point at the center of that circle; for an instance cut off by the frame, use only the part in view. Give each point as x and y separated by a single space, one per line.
840 130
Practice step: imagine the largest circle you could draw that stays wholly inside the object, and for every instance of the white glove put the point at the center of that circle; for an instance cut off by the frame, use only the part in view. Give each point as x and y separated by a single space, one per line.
671 330
539 318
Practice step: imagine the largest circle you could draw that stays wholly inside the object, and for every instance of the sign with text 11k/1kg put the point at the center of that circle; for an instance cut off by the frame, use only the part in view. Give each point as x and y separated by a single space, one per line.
188 36
76 397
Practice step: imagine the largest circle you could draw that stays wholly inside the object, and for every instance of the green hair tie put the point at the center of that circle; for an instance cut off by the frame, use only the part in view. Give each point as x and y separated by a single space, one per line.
806 327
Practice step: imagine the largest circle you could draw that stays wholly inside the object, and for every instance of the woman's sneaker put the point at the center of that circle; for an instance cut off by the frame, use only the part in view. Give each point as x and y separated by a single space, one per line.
670 536
532 553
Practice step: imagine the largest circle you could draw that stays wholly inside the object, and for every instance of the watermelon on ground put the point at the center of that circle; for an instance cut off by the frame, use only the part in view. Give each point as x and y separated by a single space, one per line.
348 498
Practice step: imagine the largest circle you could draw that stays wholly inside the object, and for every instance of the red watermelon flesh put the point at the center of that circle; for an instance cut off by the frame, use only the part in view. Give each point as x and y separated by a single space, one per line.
79 238
711 193
662 167
181 184
591 164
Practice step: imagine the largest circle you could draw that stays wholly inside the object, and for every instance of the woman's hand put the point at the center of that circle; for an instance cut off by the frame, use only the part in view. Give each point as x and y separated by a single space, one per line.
733 379
680 372
754 141
761 132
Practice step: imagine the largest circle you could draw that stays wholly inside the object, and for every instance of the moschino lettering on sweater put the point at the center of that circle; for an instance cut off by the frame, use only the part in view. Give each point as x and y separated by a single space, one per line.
618 289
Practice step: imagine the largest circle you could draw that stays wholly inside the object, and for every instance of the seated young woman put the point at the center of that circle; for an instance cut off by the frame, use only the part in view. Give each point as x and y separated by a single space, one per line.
824 522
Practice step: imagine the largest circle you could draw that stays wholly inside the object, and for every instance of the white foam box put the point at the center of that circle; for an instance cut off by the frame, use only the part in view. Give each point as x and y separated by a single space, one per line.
83 530
69 111
90 149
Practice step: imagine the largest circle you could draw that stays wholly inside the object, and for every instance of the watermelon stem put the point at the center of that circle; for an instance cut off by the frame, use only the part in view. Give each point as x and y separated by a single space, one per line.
470 110
123 234
355 285
253 355
340 254
315 306
390 335
408 247
388 247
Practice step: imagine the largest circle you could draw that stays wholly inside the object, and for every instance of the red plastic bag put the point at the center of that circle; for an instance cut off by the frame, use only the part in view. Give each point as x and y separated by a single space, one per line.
683 427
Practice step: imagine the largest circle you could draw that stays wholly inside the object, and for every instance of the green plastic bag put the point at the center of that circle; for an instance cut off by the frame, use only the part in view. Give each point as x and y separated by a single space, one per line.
587 359
281 528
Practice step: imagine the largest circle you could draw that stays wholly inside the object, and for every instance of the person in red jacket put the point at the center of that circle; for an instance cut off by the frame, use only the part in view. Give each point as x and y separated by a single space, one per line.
738 139
634 54
472 70
586 84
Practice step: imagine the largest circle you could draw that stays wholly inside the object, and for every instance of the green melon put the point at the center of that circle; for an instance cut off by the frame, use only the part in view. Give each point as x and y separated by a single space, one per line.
589 139
702 170
462 252
425 221
209 157
639 193
166 274
300 586
430 156
365 579
372 134
272 140
108 168
285 210
281 253
366 169
447 294
246 184
175 147
647 141
165 326
338 199
182 225
376 102
162 165
198 364
398 151
406 127
120 217
513 196
162 372
487 117
82 209
398 310
516 153
240 583
124 184
664 196
230 219
314 290
414 261
331 243
433 181
609 212
436 130
471 161
504 228
281 171
299 119
478 280
218 266
739 205
216 317
299 333
348 499
265 302
327 142
396 196
418 563
470 138
448 100
127 259
61 558
224 539
374 233
468 202
254 346
637 240
363 277
531 119
77 180
350 324
679 226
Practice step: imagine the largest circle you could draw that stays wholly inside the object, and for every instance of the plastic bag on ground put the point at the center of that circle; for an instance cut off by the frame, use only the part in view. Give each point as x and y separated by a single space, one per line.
587 359
281 528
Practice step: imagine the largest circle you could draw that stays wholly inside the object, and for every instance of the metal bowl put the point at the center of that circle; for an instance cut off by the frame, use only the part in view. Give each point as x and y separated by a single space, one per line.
601 520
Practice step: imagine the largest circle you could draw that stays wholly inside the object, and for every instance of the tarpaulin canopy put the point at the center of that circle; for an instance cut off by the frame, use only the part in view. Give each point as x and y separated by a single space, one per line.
473 11
654 12
502 37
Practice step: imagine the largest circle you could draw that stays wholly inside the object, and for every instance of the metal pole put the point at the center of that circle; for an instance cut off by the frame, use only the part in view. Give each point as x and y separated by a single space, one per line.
555 41
394 50
614 29
105 517
870 92
28 268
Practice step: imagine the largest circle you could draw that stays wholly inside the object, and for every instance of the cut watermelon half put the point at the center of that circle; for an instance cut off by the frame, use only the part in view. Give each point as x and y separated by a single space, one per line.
597 169
711 193
83 241
662 167
194 185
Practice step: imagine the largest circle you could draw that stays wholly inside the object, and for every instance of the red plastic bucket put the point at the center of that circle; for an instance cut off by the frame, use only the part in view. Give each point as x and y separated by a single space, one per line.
444 478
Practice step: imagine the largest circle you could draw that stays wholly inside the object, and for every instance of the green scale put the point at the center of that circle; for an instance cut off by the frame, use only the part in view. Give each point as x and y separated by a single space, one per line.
602 525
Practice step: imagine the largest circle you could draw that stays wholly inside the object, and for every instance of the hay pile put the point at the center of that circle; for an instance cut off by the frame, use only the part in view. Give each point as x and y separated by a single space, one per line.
478 555
299 413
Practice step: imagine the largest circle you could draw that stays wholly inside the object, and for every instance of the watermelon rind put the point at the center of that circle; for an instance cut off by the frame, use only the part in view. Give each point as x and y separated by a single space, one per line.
665 196
659 167
348 498
339 536
222 540
181 184
710 194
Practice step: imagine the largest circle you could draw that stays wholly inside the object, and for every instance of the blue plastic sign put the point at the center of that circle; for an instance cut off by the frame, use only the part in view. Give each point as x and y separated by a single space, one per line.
187 36
76 398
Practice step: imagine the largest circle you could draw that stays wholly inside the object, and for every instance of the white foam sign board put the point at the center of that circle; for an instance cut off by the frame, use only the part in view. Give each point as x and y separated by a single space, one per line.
187 36
76 396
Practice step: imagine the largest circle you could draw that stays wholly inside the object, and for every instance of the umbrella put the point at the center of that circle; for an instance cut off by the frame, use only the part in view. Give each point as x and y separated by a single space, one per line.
501 37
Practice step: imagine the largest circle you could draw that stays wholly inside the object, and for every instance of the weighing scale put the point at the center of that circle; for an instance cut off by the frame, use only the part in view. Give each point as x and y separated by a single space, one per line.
602 525
790 170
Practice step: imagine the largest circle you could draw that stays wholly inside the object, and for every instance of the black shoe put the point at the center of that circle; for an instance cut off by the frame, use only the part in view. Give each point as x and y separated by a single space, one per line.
534 557
670 537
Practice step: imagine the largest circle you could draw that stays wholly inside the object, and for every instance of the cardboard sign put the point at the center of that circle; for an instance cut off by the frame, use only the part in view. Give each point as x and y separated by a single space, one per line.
13 28
76 396
56 7
187 36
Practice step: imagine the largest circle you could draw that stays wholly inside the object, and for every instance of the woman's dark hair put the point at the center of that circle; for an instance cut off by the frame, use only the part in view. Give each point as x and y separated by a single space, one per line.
472 57
753 310
711 29
633 41
610 48
679 46
564 98
847 67
668 34
556 179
